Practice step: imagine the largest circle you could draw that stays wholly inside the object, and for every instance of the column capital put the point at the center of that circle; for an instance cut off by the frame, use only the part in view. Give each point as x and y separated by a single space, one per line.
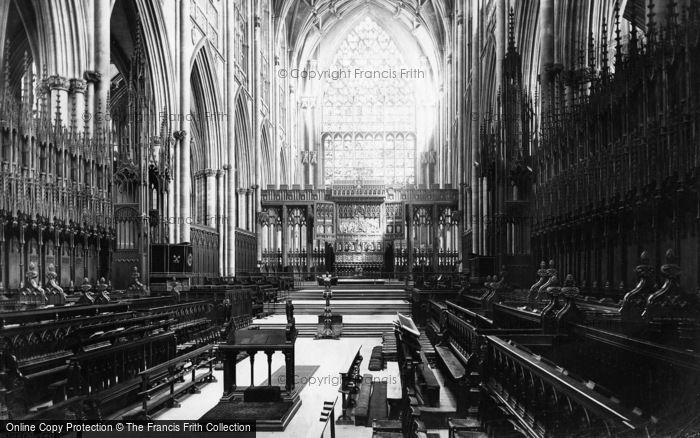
208 172
227 167
180 135
57 82
92 76
220 172
78 86
241 191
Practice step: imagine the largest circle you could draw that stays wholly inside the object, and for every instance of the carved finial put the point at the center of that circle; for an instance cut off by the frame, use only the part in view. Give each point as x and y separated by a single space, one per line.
644 258
569 289
86 286
569 281
671 256
553 285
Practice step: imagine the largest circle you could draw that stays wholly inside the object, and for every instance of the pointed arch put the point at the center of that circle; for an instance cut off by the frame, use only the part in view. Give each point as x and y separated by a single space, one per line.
242 146
207 116
268 156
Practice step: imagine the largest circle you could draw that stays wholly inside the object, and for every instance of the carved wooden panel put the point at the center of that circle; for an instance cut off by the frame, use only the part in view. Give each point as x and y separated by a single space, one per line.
324 221
395 220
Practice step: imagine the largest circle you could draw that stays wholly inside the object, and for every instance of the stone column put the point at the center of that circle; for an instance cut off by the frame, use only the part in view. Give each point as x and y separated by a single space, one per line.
87 117
436 237
500 41
210 212
185 186
459 180
77 103
309 237
409 242
173 231
250 210
230 140
58 86
103 12
3 250
255 196
240 200
230 221
475 117
255 225
285 215
221 219
546 21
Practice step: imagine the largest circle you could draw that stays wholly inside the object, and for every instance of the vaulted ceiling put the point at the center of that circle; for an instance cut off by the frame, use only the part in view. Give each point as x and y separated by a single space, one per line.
419 26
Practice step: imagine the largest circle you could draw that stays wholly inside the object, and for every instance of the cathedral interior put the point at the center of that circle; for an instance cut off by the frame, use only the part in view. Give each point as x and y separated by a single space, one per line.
426 218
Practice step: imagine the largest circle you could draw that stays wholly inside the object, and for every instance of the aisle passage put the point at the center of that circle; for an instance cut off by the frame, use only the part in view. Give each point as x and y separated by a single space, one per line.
328 355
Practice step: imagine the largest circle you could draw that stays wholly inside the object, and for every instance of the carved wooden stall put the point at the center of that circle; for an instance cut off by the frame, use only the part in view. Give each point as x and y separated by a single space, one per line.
555 360
56 203
360 228
619 148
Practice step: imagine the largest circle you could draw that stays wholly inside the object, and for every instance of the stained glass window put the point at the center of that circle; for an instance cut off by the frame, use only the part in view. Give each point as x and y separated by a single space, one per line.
369 111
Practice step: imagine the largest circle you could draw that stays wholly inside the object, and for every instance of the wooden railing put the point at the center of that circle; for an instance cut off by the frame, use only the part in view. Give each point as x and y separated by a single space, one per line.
174 370
546 400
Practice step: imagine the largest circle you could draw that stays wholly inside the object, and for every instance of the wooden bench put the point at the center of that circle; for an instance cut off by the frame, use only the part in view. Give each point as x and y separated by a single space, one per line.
465 427
450 363
361 410
108 376
159 383
428 385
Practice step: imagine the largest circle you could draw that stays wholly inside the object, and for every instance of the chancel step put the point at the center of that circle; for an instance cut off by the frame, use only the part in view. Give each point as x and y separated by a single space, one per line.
353 330
343 307
351 294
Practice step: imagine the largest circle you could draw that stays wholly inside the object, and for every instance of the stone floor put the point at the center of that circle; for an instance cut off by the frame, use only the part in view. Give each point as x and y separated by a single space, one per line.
329 355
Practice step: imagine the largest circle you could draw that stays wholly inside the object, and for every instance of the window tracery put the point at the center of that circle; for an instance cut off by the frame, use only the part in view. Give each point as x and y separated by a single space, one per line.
369 111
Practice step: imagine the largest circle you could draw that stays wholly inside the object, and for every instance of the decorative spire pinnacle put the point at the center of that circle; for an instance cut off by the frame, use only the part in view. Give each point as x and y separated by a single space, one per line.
591 54
651 32
6 70
604 49
618 39
511 30
59 119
